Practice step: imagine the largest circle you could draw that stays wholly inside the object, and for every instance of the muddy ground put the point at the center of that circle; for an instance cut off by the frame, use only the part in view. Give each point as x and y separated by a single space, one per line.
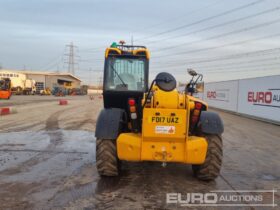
47 161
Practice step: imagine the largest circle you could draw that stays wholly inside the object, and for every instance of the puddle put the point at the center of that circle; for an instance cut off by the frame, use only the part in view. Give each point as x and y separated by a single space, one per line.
30 140
44 152
44 163
268 177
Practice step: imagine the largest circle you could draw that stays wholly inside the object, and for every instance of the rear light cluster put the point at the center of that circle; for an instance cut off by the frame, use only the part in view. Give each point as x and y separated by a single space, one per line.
133 114
131 102
132 108
195 114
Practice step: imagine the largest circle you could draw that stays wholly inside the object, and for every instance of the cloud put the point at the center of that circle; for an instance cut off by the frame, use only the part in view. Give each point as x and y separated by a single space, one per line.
32 32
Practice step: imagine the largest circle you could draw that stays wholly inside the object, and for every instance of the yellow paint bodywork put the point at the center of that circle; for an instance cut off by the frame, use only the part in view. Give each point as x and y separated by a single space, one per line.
147 52
169 100
134 52
193 99
131 147
111 49
165 131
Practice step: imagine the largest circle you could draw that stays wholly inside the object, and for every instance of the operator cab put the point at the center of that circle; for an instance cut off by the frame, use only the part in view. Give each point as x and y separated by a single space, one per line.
5 88
5 84
125 74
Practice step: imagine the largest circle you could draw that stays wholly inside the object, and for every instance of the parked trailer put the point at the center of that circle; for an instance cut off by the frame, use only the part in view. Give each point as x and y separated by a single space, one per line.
29 87
20 83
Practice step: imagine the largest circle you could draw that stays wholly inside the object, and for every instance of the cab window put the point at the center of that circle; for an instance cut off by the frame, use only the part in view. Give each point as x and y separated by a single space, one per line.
125 74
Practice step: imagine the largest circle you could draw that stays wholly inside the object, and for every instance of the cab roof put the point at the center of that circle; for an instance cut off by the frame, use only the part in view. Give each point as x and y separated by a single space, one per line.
129 50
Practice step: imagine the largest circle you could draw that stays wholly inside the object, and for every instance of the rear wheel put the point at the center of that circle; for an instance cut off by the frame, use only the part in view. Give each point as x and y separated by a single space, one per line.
107 162
210 169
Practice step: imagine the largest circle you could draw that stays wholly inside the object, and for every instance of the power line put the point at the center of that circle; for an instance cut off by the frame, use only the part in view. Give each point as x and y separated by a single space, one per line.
176 18
235 64
51 62
218 36
238 65
224 69
91 70
227 45
202 20
269 67
219 25
94 49
90 60
234 56
248 69
241 65
53 65
229 57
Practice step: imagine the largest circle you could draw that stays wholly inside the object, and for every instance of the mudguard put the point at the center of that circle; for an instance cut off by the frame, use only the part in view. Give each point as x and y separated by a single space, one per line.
211 123
109 123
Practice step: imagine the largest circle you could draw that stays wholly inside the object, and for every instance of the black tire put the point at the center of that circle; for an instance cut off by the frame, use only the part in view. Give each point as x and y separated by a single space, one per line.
107 162
210 169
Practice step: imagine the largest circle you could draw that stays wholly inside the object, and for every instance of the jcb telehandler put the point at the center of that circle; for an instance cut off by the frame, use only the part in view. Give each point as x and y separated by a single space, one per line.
156 123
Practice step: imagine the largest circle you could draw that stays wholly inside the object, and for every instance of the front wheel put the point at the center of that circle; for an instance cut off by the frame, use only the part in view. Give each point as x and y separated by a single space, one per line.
210 169
107 162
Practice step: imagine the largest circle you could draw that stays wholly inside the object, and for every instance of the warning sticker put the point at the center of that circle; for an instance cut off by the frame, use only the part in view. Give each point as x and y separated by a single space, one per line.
165 129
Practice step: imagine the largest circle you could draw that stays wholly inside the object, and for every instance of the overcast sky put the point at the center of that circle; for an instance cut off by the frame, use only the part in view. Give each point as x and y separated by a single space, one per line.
223 39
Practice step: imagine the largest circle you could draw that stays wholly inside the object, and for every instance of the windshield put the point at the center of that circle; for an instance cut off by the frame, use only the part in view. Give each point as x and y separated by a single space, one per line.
125 74
4 85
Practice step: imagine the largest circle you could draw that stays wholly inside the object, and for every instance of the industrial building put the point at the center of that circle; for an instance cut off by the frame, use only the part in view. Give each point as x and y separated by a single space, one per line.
44 79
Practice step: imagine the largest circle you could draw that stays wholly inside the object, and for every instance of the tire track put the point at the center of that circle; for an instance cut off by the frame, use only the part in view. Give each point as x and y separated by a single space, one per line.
89 118
24 103
55 134
21 128
235 190
80 124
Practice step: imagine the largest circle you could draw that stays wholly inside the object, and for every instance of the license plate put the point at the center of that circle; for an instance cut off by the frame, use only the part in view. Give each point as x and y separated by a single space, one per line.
165 119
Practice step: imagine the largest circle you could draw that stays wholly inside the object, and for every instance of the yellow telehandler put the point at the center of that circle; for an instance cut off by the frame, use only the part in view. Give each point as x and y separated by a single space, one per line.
156 123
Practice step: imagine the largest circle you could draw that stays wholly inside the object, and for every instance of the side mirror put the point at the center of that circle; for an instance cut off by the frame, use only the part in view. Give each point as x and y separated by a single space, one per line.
192 72
200 87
